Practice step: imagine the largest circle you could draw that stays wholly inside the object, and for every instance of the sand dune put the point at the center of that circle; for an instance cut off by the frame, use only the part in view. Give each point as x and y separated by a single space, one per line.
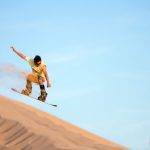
24 127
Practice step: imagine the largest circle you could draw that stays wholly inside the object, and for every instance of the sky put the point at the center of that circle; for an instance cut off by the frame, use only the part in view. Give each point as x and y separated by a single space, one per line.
97 55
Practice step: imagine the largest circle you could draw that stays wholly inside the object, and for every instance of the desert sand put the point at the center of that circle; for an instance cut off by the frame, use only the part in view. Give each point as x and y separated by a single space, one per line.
23 127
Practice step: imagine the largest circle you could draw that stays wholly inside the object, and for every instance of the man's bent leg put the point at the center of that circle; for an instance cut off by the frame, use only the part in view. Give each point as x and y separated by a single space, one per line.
43 95
28 89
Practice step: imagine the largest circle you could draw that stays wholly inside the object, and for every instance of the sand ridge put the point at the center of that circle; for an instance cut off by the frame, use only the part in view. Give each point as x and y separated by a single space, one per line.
24 127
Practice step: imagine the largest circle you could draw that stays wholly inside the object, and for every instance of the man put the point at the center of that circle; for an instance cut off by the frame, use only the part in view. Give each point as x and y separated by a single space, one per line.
39 75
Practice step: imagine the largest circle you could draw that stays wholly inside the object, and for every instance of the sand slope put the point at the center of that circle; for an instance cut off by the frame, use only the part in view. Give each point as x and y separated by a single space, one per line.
24 127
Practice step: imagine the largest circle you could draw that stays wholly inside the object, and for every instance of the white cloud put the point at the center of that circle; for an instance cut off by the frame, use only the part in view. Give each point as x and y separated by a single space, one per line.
65 56
29 25
140 75
62 58
77 53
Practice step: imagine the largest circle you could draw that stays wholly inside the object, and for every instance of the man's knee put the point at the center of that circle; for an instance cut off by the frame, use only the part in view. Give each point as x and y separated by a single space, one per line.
29 77
41 80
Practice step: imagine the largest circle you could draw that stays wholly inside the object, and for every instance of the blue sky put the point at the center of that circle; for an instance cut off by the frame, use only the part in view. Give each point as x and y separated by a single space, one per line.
97 54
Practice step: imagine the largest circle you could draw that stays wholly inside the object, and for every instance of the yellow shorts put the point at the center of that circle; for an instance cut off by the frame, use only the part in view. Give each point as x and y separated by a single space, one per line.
34 78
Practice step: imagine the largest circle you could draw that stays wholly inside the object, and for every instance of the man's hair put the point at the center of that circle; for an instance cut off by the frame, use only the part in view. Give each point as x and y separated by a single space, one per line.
37 58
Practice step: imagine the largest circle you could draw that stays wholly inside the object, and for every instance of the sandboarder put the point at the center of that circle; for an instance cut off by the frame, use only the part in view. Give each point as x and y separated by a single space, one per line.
39 75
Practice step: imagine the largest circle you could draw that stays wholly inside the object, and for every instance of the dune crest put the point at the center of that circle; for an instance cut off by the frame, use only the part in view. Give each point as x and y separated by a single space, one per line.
24 127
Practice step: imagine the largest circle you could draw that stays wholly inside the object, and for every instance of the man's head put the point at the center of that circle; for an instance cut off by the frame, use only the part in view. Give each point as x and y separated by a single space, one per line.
37 60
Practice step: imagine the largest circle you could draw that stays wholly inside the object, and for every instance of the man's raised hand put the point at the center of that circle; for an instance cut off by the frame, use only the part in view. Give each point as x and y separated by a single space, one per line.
12 48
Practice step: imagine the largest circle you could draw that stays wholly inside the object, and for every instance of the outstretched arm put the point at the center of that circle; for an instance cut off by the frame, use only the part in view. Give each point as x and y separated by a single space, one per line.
47 77
18 53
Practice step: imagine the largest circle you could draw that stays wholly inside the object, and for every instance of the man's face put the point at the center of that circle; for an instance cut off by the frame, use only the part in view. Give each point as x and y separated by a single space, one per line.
37 63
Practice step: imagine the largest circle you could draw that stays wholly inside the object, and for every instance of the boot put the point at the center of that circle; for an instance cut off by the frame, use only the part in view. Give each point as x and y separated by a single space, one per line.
27 91
43 96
